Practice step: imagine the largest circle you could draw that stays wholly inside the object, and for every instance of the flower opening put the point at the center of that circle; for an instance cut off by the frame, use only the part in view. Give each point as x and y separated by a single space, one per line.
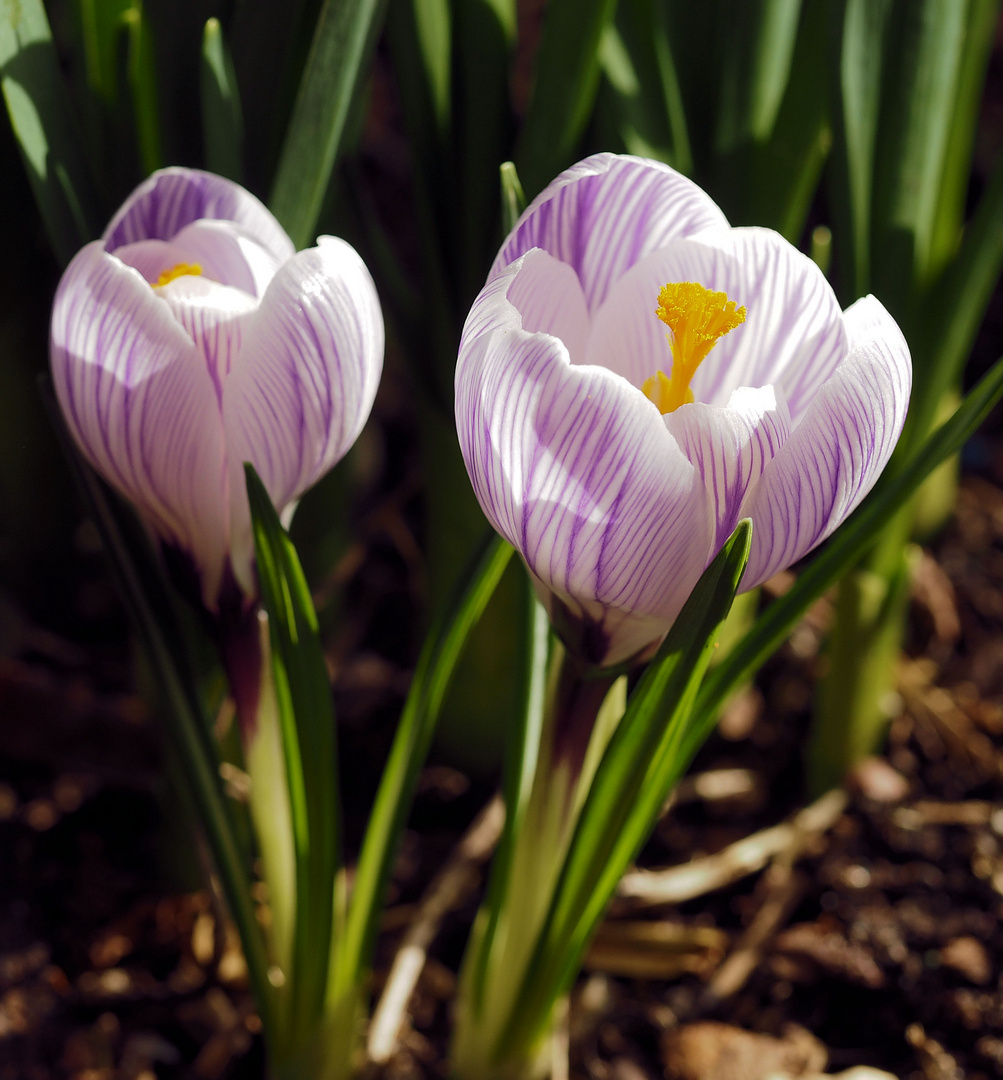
697 318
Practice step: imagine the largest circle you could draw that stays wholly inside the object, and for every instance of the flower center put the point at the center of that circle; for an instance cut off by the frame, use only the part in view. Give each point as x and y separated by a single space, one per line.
696 318
176 271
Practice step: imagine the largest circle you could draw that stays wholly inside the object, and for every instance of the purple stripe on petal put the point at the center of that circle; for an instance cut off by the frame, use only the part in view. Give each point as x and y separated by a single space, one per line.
139 400
302 385
576 468
605 214
214 316
173 198
836 453
730 447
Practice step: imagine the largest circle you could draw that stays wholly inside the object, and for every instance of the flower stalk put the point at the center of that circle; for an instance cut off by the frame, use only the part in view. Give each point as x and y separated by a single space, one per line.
581 712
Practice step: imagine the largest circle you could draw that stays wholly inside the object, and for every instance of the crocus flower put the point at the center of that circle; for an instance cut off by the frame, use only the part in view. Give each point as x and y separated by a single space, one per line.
193 337
637 376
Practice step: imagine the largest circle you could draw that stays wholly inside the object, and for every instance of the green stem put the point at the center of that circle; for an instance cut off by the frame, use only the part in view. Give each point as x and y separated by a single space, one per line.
580 717
853 708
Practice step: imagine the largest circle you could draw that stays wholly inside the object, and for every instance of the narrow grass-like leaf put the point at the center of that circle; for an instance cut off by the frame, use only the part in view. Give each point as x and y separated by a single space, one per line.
636 54
342 42
443 646
144 596
675 110
630 93
980 32
755 70
913 138
513 197
434 41
636 773
42 118
101 28
567 76
222 119
429 133
303 691
143 86
521 754
858 35
844 550
485 32
956 306
783 171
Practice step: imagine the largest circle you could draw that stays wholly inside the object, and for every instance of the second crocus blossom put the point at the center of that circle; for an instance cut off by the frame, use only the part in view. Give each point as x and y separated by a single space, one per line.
193 337
618 418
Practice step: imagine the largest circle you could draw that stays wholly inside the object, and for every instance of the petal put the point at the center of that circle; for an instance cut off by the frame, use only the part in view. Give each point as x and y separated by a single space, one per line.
730 447
836 453
140 402
214 316
607 213
548 297
575 468
793 336
223 251
172 198
301 387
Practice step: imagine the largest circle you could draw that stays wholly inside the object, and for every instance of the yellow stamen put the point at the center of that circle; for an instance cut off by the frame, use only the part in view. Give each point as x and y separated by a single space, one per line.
697 319
176 271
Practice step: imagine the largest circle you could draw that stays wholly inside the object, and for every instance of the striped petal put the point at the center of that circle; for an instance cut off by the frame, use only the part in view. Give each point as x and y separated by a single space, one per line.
838 450
576 468
214 316
172 198
223 252
730 447
605 214
793 336
139 399
549 299
301 387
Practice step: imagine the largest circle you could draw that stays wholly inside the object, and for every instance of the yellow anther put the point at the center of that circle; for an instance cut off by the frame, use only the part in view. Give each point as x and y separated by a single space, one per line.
697 319
176 271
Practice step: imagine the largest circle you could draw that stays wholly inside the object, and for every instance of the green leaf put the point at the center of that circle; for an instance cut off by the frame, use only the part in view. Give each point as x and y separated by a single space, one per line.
858 36
642 85
443 646
513 198
644 759
434 40
429 133
522 751
980 32
567 77
483 126
777 187
222 119
41 115
955 308
922 78
101 26
342 42
144 595
306 712
759 49
843 551
143 85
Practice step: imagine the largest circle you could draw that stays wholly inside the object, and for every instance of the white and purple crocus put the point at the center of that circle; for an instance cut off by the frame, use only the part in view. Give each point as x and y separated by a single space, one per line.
192 338
637 376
